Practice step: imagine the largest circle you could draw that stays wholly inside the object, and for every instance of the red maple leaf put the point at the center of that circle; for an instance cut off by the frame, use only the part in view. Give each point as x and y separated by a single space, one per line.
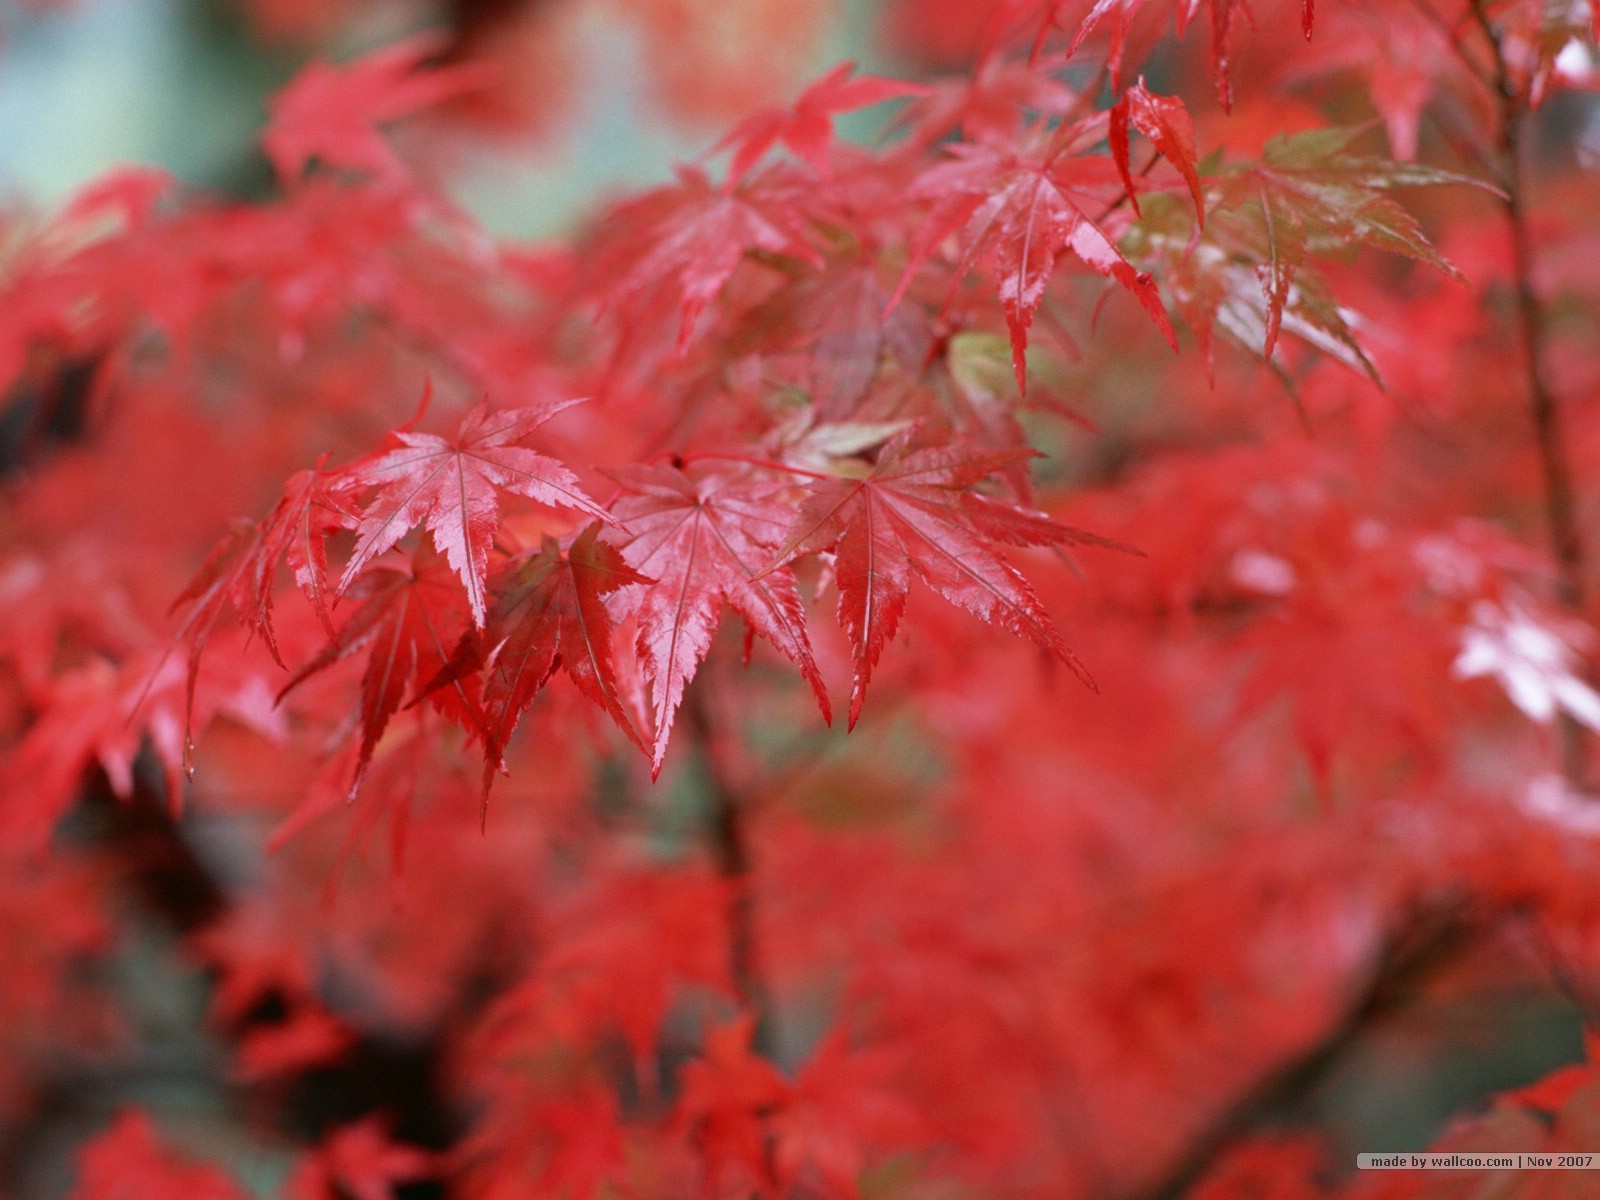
331 113
916 511
806 127
834 318
129 1162
606 972
706 541
453 486
358 1162
843 1111
590 1151
104 714
550 612
309 1036
408 621
1308 195
1405 55
1165 121
692 238
239 571
572 1145
1119 15
990 104
729 1096
1019 212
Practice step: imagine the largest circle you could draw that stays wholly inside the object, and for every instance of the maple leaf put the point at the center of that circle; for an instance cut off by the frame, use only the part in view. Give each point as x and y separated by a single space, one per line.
939 940
706 541
1117 15
843 1105
1214 288
608 972
728 1097
127 195
694 237
1404 56
806 127
805 443
253 955
408 621
1249 271
358 1162
1165 121
307 1038
452 487
1120 15
835 317
574 1145
1020 212
550 611
991 104
389 788
1532 661
330 113
129 1162
100 714
1308 195
1223 14
589 1151
239 571
914 511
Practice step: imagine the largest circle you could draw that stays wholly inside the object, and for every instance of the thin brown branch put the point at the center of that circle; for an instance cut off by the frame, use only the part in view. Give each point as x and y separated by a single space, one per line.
1561 507
728 837
1430 942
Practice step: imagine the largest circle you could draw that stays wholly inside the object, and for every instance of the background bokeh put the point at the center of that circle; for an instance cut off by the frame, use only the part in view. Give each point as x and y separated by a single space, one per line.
588 103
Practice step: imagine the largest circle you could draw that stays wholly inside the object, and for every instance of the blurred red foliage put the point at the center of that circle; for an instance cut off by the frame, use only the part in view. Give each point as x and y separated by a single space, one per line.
1222 702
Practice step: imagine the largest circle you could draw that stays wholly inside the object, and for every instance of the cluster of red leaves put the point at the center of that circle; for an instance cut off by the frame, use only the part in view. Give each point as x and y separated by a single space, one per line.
1014 935
703 60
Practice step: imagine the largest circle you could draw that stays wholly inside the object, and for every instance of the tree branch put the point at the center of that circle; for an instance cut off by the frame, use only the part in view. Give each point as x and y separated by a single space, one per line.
1429 942
1559 495
727 832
